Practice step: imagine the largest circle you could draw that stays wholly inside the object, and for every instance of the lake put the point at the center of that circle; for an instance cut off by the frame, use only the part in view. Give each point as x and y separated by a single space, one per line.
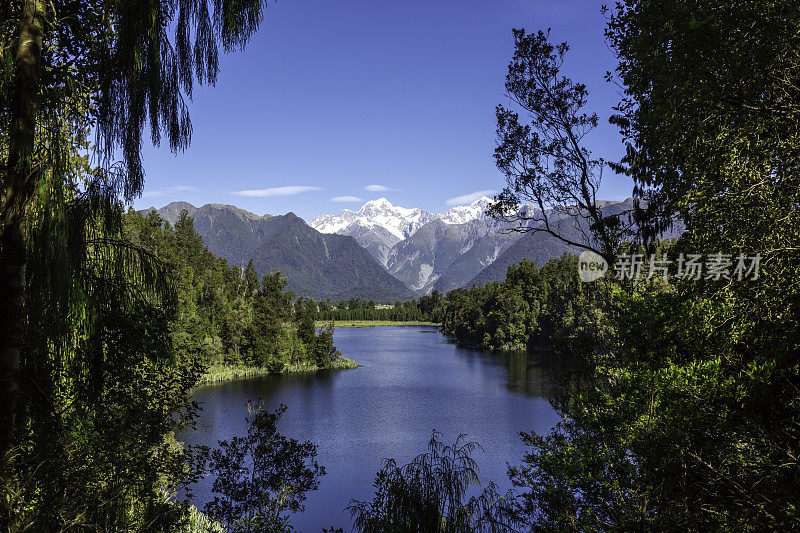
412 381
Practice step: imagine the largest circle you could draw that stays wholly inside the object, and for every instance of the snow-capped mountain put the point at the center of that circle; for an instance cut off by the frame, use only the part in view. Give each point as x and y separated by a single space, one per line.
399 221
466 213
377 226
424 250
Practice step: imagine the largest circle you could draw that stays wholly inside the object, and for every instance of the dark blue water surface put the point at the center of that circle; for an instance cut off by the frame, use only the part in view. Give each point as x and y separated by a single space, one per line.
412 381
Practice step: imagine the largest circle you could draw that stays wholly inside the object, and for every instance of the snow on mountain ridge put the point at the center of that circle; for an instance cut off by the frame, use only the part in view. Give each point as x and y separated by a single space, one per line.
399 221
466 213
417 246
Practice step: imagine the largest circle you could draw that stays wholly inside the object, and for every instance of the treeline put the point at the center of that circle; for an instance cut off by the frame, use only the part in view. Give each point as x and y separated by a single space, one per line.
427 308
686 418
226 316
525 310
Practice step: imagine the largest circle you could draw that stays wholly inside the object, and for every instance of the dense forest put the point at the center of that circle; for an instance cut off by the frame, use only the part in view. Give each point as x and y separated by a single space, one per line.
226 316
426 308
525 311
684 414
682 410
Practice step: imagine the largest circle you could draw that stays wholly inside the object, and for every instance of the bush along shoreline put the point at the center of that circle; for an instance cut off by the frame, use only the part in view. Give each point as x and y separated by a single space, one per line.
221 373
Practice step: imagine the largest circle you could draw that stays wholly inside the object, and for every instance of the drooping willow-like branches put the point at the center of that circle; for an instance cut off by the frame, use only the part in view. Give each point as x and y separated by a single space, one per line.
431 494
71 70
81 270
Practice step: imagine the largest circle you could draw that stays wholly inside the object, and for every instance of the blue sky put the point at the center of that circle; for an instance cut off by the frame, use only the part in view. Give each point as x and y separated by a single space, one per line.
357 99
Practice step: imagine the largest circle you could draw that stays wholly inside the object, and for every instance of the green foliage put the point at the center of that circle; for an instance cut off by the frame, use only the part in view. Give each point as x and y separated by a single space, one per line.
90 388
687 418
305 311
107 456
263 477
325 353
533 306
226 317
271 307
117 65
430 494
102 393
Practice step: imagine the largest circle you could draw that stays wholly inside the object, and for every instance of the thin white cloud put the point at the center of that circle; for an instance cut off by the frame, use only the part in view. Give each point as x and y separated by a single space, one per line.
278 191
379 188
466 199
184 188
152 194
346 199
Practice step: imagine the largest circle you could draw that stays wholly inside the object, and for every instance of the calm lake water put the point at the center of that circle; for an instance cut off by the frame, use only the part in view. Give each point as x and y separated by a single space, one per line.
412 381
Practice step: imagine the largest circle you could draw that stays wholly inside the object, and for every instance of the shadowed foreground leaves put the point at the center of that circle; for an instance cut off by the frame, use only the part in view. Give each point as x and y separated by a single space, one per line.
430 494
262 477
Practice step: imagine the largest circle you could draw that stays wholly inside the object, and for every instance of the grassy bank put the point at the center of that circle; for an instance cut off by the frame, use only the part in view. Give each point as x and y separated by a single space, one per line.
373 323
217 373
341 363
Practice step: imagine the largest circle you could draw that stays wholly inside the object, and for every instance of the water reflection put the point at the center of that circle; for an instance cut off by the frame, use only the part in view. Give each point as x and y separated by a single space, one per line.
530 373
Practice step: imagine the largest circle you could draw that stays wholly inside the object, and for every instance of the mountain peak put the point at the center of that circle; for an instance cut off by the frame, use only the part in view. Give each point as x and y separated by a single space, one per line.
399 221
380 202
180 205
465 213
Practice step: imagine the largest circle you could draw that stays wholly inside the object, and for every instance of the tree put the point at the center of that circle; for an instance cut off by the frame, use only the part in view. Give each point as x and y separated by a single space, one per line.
263 477
104 389
545 161
430 494
250 280
690 416
221 315
305 311
271 309
714 141
325 353
108 66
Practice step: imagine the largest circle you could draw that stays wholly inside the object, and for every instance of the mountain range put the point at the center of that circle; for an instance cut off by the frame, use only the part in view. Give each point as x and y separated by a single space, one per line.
540 246
424 250
381 252
317 265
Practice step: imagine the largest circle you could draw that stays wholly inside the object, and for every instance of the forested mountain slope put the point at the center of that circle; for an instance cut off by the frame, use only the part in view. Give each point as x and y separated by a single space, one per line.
316 265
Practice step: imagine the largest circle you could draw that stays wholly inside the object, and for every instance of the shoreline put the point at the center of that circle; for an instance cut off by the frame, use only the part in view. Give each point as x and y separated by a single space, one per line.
372 323
221 373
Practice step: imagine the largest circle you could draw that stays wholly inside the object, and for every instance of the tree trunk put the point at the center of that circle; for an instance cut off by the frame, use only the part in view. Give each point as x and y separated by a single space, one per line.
19 189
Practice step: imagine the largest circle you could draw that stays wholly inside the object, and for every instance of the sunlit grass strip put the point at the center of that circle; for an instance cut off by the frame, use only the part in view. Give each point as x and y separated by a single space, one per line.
340 364
227 372
217 373
373 323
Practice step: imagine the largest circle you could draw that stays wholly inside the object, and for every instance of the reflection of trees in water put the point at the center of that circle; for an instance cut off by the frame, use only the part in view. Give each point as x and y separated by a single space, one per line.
536 372
518 373
532 373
